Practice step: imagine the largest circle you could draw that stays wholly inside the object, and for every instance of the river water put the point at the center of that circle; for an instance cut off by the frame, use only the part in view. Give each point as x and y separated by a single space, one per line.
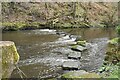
36 49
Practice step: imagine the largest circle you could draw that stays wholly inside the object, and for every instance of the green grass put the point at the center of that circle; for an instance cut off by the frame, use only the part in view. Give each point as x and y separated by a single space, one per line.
110 71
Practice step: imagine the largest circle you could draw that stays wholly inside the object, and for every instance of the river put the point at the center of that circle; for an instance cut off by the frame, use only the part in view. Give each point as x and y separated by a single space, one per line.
35 47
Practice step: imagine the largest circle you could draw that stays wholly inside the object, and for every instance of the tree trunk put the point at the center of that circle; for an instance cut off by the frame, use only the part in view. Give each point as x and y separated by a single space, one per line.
46 9
47 13
74 9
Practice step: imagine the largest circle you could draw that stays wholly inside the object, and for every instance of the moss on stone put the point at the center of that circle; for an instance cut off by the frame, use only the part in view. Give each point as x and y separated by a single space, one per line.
74 46
10 57
113 41
82 43
90 75
80 74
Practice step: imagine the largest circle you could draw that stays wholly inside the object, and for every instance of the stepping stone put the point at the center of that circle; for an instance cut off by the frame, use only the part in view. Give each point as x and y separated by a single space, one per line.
71 65
78 48
74 55
82 43
80 74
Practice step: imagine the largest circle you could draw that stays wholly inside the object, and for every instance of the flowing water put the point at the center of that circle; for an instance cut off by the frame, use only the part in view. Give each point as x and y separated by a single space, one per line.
40 50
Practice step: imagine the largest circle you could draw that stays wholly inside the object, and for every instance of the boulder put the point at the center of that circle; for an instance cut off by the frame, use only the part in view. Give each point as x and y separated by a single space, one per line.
74 55
79 74
71 65
10 57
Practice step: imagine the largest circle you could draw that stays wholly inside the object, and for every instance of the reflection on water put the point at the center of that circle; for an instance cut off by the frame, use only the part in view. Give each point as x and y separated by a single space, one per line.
91 33
28 42
30 45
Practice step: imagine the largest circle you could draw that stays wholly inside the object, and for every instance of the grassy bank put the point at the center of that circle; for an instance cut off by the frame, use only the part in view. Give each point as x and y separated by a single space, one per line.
14 26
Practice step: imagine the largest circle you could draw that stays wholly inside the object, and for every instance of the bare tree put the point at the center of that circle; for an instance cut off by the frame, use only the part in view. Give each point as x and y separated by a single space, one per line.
74 9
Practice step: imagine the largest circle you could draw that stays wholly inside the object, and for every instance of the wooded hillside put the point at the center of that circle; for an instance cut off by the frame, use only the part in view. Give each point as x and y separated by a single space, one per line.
65 14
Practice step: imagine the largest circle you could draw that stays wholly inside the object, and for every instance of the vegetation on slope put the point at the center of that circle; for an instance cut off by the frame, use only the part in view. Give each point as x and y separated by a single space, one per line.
21 15
111 66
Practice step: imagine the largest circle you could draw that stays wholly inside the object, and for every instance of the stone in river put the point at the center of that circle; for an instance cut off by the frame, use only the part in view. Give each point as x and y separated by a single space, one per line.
80 74
71 65
82 43
78 48
74 74
74 55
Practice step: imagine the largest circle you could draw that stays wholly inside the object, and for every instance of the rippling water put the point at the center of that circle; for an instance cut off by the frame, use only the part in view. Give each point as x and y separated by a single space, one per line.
39 50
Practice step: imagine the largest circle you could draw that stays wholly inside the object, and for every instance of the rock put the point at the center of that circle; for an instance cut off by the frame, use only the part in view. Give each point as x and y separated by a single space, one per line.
74 74
64 41
67 37
75 37
74 55
79 74
71 65
63 50
82 43
10 57
90 75
78 48
71 42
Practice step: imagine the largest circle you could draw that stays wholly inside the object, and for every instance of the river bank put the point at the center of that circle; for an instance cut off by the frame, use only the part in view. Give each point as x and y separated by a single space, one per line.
18 15
63 40
15 26
20 26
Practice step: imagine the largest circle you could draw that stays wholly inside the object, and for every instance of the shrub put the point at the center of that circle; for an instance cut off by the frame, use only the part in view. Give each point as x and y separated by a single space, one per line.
118 30
9 26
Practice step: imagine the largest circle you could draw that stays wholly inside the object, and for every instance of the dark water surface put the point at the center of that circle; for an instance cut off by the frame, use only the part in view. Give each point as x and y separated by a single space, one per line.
34 48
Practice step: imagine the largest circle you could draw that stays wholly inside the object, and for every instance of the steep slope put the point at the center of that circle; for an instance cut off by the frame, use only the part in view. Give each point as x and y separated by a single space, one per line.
65 14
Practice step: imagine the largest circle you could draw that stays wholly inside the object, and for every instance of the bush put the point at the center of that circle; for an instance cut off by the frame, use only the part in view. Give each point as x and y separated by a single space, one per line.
9 26
113 41
118 30
110 71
